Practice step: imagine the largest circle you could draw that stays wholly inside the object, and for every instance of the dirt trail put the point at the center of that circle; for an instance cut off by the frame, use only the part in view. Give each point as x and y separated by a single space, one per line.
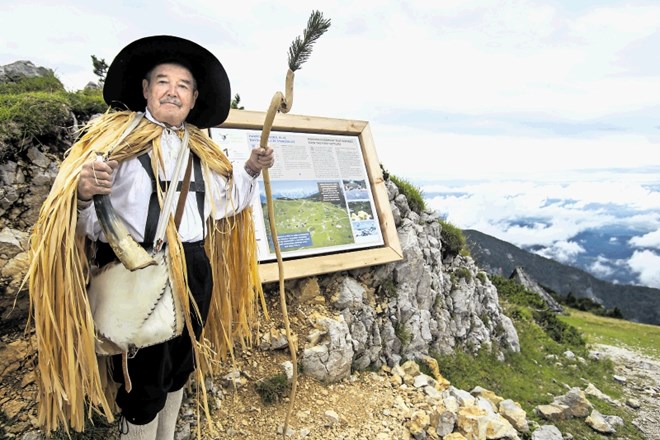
642 382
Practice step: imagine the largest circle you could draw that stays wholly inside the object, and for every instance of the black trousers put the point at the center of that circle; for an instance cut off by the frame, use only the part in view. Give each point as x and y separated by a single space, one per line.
160 369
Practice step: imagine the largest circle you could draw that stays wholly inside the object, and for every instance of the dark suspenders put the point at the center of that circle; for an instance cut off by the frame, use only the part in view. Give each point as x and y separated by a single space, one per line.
197 186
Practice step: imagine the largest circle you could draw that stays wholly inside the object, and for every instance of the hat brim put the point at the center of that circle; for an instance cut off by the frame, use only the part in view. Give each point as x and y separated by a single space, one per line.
123 81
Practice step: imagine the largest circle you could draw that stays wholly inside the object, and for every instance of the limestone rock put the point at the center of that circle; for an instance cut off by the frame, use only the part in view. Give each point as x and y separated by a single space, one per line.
576 401
331 360
513 412
554 412
21 69
547 432
598 423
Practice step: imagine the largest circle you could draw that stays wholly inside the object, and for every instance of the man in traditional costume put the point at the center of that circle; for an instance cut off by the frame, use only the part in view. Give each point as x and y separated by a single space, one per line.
159 87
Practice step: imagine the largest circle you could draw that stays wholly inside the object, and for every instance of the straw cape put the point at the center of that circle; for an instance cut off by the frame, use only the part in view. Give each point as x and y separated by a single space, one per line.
73 381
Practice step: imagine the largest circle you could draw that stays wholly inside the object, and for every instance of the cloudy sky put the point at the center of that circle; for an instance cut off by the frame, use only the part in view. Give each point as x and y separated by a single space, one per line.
546 111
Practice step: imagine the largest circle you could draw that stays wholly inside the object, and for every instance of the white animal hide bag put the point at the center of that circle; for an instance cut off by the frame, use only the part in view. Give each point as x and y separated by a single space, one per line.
134 310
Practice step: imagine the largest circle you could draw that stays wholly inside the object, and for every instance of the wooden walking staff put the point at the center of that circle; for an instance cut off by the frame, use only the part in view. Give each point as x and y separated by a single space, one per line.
298 53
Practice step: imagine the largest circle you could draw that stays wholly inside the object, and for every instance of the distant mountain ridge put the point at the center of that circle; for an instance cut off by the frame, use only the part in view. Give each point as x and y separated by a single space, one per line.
636 303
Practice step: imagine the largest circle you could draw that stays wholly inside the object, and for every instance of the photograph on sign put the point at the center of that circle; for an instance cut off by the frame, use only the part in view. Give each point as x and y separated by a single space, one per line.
321 195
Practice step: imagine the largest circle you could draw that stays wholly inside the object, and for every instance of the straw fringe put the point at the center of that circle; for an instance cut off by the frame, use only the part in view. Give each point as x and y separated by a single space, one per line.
73 382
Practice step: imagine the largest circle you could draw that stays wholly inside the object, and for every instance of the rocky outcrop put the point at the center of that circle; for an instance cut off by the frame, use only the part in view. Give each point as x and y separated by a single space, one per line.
22 69
27 167
25 183
388 314
524 279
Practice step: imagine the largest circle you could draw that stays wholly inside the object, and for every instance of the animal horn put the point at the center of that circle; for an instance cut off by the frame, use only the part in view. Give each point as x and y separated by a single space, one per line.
130 253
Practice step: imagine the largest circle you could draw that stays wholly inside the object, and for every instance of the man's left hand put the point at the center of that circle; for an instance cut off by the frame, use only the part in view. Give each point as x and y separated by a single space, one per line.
260 158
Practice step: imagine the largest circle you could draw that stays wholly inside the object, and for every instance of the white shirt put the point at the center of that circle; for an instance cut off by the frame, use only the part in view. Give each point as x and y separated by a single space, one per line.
131 191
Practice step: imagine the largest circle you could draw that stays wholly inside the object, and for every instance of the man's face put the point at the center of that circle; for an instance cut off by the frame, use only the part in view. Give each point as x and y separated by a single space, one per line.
170 93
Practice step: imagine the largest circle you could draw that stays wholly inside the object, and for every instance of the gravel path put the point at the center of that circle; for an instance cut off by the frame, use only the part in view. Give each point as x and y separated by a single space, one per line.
642 382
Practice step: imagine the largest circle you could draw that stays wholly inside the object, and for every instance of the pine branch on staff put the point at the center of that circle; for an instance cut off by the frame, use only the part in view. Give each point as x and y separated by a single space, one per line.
301 48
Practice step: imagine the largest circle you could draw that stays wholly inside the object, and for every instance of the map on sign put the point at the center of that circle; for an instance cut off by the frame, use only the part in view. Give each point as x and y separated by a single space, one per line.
322 199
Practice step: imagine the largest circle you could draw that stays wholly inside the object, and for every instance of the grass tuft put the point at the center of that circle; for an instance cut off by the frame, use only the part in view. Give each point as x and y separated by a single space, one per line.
272 389
412 193
452 239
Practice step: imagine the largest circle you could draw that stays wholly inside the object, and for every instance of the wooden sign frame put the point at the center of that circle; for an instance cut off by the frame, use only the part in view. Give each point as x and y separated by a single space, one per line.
301 267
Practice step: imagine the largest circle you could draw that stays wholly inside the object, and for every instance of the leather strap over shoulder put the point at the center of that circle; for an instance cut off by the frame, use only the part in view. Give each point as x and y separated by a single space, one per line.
196 186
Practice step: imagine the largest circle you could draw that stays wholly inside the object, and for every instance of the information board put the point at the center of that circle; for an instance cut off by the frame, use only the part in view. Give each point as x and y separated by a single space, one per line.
321 195
332 210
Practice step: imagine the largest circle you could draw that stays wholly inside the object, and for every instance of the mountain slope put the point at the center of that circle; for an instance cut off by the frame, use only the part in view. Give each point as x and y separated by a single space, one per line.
637 303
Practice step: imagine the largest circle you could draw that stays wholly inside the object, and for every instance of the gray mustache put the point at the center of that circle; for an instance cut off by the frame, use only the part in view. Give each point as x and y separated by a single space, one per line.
171 101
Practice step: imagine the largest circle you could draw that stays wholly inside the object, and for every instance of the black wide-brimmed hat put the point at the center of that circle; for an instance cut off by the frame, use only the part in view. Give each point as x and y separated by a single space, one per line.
123 81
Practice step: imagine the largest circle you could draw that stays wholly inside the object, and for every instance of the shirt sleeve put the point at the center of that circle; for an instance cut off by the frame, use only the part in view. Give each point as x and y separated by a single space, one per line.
131 190
228 199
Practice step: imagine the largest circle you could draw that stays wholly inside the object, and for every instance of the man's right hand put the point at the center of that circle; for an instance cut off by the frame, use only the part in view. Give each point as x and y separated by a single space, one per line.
96 178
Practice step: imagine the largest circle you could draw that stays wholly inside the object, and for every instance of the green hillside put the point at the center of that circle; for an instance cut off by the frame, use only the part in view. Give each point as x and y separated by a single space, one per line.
644 338
541 371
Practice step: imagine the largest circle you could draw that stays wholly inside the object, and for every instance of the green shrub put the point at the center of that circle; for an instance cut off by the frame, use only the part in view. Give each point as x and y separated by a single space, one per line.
386 174
556 329
387 288
47 83
424 368
412 193
34 115
452 238
39 109
519 313
464 272
517 294
402 332
85 103
589 305
272 389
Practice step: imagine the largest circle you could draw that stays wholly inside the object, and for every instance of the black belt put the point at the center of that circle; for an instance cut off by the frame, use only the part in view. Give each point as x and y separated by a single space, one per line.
193 244
187 245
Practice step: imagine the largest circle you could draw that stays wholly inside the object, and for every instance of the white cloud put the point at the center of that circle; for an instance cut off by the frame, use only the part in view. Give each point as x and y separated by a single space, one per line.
601 268
557 212
562 251
647 264
426 154
615 21
548 216
650 240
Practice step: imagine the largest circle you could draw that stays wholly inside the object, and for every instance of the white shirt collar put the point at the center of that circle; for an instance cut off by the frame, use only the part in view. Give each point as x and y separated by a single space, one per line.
149 116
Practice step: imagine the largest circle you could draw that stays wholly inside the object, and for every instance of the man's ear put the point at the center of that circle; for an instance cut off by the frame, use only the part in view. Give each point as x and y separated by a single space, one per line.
145 85
195 95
